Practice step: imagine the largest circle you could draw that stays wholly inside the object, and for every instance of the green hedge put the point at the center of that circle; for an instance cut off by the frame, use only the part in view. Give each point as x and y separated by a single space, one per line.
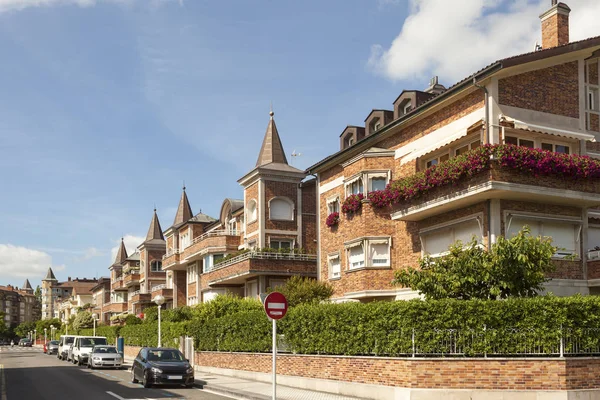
147 334
111 332
243 331
514 326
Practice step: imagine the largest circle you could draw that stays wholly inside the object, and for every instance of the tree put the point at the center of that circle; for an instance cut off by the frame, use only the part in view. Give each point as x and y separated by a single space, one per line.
515 267
24 328
299 290
38 293
83 320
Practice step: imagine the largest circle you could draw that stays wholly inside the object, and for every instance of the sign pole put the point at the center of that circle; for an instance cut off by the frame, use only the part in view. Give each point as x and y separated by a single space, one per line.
274 359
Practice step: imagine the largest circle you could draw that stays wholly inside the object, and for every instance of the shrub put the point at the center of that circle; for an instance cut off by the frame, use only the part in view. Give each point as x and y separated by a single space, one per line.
299 290
243 331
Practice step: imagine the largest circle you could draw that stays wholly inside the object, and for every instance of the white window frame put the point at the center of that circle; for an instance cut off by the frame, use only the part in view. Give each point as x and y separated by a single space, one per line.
371 175
290 203
366 243
156 262
192 273
252 211
330 259
542 138
469 146
365 177
333 204
407 107
449 225
356 179
539 220
281 240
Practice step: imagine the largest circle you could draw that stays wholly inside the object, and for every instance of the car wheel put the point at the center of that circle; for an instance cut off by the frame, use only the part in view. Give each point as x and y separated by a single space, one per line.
89 364
146 381
79 362
133 380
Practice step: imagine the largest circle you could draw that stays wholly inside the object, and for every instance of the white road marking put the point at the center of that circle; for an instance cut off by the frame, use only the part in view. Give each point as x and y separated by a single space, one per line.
221 394
121 398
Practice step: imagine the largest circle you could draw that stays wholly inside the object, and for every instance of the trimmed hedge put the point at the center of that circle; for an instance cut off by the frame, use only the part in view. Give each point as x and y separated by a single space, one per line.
111 332
147 334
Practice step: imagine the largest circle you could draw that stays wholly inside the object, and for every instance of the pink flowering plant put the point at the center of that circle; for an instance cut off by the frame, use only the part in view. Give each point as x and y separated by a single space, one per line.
353 203
332 219
535 162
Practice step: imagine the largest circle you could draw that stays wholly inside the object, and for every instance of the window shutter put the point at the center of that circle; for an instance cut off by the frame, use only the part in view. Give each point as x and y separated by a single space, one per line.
356 256
280 209
593 238
380 254
516 224
334 266
563 236
437 242
465 231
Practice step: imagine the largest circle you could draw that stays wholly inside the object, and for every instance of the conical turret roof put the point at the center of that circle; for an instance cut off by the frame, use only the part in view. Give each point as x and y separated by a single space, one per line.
27 285
50 276
155 231
121 254
271 150
184 211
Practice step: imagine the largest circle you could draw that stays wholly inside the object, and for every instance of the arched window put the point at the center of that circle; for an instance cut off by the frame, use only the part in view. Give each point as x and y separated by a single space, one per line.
281 208
156 266
252 214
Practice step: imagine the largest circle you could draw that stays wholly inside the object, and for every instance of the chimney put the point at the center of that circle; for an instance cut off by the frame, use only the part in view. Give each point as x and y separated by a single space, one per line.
555 25
435 87
69 279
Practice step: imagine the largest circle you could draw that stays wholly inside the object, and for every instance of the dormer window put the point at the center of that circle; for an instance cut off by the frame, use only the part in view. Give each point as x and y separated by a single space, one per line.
407 107
376 126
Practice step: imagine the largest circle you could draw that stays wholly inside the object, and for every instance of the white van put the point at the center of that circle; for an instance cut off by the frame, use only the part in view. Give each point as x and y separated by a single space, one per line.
63 346
82 347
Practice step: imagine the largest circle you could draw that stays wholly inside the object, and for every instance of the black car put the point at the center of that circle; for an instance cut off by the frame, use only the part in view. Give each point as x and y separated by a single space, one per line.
161 366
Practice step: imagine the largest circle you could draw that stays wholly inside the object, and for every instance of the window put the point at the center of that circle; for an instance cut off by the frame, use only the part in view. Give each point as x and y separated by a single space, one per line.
564 235
232 226
557 148
184 240
376 126
379 253
217 258
210 260
275 283
333 205
519 141
377 183
376 180
354 187
407 107
252 214
467 147
281 208
356 256
280 244
333 262
592 100
437 160
593 238
437 240
192 273
156 266
252 289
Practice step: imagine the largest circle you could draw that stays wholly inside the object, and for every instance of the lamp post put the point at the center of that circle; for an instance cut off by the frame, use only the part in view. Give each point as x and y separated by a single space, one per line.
34 337
45 335
159 300
51 332
94 316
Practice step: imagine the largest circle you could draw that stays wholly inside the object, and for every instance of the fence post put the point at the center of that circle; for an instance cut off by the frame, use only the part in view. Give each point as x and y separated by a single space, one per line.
562 343
484 341
413 342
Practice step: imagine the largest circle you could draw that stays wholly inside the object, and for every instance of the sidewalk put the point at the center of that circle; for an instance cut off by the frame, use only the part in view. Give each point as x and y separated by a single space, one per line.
254 390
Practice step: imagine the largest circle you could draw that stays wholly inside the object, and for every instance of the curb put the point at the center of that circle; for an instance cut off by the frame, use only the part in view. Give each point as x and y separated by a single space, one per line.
240 394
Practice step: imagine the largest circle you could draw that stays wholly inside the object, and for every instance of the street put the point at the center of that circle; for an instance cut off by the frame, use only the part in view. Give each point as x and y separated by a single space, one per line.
28 373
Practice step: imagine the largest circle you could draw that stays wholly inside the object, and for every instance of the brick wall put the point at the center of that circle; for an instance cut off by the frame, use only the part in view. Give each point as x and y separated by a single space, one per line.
553 90
281 189
179 277
593 269
445 373
191 289
309 217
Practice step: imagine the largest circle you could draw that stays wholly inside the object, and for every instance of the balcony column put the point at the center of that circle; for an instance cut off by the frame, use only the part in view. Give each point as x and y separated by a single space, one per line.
495 221
583 244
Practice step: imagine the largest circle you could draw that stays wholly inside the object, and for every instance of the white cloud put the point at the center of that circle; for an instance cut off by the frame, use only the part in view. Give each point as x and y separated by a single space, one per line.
21 262
453 39
131 244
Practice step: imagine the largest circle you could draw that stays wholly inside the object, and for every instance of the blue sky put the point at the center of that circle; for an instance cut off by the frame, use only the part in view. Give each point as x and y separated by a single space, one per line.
107 107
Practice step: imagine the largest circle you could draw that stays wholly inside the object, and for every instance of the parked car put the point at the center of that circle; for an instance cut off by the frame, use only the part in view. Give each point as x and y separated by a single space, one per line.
25 343
51 347
104 356
64 344
82 347
154 366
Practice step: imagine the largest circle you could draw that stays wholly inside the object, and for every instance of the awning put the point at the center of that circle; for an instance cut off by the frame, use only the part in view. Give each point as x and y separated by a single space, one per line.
440 137
579 135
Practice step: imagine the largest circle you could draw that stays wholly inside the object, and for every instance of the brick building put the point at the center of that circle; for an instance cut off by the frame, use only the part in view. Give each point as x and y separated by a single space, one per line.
547 99
58 298
257 242
19 305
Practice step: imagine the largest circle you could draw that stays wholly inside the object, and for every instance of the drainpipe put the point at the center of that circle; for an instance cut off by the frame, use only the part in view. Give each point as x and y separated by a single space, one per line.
318 223
487 141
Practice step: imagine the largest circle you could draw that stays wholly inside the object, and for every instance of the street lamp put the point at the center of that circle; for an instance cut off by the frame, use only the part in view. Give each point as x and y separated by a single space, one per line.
51 332
159 300
94 316
34 337
45 335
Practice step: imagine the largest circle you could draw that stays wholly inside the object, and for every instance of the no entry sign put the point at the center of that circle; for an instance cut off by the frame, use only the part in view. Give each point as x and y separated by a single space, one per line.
276 305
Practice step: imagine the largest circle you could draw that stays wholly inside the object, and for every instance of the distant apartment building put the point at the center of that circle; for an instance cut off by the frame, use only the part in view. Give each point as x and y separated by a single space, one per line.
19 305
63 299
547 99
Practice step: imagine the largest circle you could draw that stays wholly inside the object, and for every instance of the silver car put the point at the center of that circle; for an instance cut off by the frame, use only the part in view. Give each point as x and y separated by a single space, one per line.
105 357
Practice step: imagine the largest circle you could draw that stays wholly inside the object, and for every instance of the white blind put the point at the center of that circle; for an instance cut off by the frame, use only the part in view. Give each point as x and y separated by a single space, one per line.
280 209
380 254
437 242
252 289
356 257
516 224
593 238
563 236
466 230
334 267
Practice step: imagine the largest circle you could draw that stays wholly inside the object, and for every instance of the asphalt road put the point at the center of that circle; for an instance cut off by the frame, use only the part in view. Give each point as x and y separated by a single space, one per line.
28 374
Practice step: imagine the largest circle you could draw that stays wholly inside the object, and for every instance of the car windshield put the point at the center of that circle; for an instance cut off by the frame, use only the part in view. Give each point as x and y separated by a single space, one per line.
91 342
54 342
103 350
165 355
69 340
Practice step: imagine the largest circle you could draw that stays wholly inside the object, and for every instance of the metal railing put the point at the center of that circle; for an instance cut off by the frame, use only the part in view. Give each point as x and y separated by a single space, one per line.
159 287
483 342
593 254
263 256
218 232
118 278
136 293
170 252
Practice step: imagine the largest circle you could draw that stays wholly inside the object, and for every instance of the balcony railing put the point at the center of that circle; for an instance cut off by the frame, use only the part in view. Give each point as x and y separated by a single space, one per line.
158 287
219 232
593 254
263 256
135 293
170 252
118 278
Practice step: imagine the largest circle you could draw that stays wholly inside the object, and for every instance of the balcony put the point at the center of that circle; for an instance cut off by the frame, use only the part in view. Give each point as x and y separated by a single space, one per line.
555 179
118 284
162 290
138 297
115 307
171 260
131 279
215 241
237 270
